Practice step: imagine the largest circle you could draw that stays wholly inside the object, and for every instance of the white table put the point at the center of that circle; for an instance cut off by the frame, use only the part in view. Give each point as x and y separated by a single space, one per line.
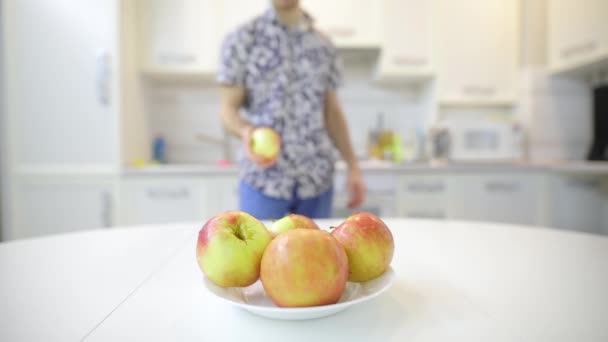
456 281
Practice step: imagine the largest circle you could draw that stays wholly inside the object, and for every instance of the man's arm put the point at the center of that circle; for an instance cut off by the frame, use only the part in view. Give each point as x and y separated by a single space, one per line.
232 98
338 131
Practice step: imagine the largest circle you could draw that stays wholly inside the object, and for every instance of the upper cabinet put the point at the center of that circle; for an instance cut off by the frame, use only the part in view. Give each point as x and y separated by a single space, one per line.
577 34
406 36
349 23
179 35
476 51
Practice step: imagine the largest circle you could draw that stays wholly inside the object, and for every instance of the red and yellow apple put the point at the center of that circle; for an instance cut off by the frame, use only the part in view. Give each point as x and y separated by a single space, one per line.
369 244
290 222
304 267
230 249
265 143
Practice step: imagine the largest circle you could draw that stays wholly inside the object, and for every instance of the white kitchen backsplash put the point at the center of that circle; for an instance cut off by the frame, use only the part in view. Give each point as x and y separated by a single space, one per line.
182 111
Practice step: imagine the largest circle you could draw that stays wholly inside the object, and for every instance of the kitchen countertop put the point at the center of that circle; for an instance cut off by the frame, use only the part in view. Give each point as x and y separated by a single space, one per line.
457 281
580 168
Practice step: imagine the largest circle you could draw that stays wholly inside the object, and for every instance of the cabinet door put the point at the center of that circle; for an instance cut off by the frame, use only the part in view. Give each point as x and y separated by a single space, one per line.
406 40
62 81
506 198
58 206
424 196
349 23
163 200
476 45
180 34
577 32
575 203
222 194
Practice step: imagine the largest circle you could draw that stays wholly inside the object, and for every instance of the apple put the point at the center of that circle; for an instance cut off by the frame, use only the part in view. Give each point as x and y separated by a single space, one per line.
265 143
369 244
304 267
290 222
230 248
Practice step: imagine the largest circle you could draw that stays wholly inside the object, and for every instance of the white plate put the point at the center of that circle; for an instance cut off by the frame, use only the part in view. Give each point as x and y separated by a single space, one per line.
254 299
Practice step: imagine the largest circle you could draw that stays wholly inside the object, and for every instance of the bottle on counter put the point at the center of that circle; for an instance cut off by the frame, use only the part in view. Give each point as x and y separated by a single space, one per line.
159 148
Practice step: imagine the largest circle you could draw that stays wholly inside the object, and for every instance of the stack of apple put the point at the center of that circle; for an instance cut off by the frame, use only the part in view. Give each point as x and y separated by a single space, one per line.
299 264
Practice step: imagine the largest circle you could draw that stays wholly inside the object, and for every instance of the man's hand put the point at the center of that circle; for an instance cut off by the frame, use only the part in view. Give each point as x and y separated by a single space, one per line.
246 138
356 189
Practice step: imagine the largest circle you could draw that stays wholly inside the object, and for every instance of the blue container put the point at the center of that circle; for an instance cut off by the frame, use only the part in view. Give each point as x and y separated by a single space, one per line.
159 150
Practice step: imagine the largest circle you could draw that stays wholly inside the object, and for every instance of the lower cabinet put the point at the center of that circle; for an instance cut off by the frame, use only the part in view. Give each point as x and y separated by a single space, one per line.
51 205
424 196
576 203
380 199
496 197
150 200
153 200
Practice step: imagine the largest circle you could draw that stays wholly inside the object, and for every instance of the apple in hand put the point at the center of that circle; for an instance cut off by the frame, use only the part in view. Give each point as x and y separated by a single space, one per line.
230 248
265 143
304 267
368 243
290 222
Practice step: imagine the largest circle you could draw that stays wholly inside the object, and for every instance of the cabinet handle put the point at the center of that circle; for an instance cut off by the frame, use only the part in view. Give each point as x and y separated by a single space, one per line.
179 193
426 214
409 61
588 184
579 49
106 209
426 187
103 77
477 90
502 186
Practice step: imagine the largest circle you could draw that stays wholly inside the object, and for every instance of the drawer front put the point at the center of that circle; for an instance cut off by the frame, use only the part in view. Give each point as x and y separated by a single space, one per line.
164 201
423 196
501 198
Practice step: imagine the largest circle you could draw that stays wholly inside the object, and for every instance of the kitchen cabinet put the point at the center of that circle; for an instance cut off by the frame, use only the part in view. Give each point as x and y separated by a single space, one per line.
222 194
153 200
497 197
348 23
577 34
406 36
424 196
53 205
62 83
575 203
180 36
476 51
380 199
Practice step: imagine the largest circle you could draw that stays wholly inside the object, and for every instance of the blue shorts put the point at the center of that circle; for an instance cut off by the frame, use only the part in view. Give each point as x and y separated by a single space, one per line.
266 208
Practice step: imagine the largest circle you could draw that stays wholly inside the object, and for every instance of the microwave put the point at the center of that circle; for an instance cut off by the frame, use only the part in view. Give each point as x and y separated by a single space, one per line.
477 140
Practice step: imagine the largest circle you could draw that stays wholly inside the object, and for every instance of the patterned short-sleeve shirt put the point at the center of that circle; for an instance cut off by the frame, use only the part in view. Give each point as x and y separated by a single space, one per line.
286 73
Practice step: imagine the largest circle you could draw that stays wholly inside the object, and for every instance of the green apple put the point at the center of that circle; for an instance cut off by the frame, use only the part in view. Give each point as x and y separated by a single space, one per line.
304 267
265 143
368 243
290 222
230 248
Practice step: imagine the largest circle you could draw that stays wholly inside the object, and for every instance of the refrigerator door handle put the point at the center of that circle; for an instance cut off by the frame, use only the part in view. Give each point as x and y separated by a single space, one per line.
102 77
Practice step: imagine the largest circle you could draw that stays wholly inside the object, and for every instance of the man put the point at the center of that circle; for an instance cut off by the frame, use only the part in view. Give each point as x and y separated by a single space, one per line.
284 74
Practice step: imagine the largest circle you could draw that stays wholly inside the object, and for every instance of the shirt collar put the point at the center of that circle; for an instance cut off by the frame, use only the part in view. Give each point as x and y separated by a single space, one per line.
305 24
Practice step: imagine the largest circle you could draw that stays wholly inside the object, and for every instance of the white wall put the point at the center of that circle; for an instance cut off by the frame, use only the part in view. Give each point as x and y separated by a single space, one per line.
180 111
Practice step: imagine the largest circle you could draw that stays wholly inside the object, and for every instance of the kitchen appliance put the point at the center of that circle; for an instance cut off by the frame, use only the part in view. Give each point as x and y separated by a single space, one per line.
599 146
476 139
